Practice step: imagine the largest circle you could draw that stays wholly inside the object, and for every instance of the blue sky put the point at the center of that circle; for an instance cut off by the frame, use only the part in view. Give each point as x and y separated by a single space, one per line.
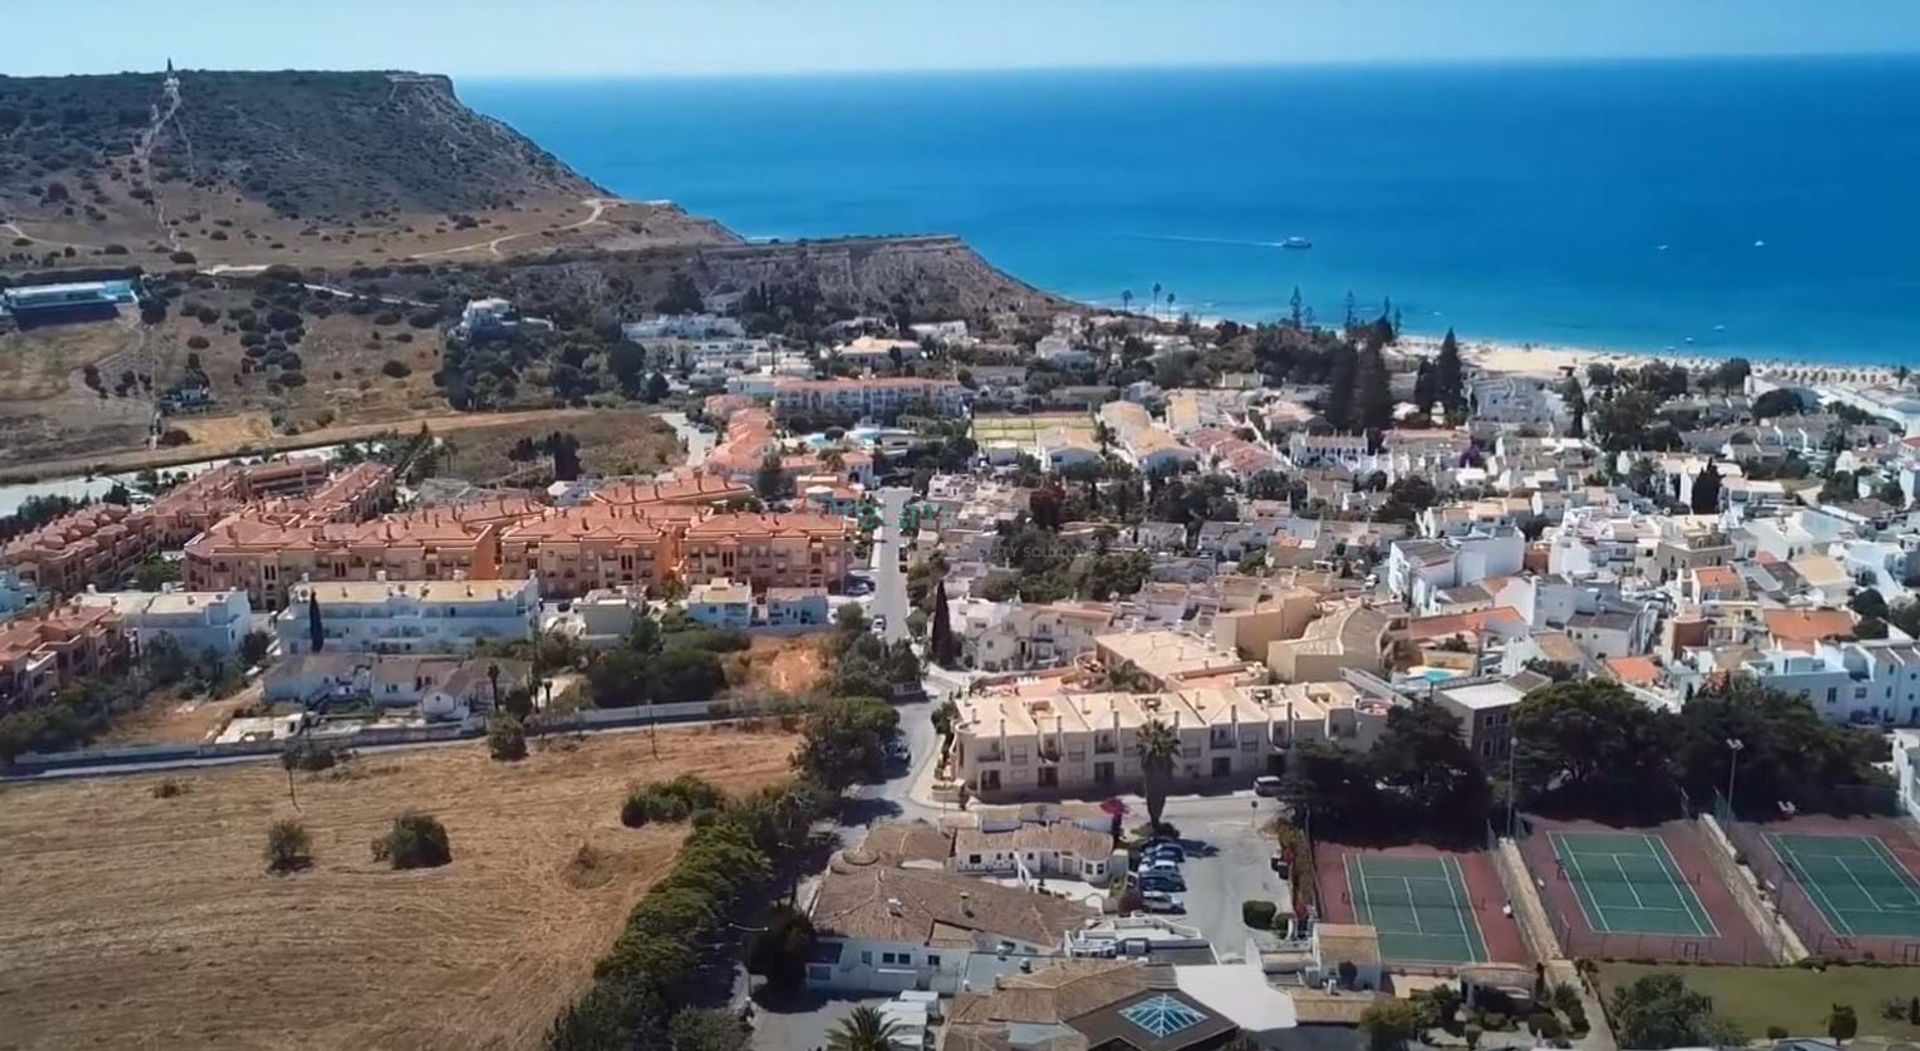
487 38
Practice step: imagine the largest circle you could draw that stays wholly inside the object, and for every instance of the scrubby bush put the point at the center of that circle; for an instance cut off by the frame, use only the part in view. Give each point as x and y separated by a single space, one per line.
506 738
1258 914
416 841
674 800
289 847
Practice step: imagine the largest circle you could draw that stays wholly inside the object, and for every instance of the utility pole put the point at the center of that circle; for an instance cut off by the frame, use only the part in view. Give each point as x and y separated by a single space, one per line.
1734 746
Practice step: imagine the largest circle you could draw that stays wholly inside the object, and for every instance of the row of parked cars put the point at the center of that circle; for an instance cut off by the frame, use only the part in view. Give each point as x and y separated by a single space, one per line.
1157 874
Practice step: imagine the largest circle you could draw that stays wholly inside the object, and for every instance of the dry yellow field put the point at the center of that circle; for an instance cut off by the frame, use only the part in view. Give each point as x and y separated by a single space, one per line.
135 921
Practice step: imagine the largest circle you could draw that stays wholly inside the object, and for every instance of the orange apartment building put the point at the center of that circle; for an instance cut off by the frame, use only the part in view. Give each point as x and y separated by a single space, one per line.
96 543
265 554
42 651
801 549
103 542
573 550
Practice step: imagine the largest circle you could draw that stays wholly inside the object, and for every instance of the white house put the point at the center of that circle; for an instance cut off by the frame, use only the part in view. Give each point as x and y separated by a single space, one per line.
1418 569
197 620
1061 849
883 926
792 607
721 603
408 616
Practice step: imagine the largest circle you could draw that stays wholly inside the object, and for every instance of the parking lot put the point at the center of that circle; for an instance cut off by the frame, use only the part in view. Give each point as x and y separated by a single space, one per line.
1227 863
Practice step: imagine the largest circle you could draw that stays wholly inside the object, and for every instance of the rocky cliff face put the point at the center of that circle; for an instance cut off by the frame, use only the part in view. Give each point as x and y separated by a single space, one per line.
935 276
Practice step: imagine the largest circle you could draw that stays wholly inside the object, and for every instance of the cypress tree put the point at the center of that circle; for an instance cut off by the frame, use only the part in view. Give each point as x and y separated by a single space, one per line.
1372 393
946 648
1338 408
1450 378
316 635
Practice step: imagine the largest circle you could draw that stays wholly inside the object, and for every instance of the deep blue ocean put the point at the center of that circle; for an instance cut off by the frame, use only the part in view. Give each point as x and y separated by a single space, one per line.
1760 207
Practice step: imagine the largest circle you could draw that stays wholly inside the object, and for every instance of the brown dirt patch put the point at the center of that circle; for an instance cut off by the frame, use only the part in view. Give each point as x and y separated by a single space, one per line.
137 921
780 665
166 719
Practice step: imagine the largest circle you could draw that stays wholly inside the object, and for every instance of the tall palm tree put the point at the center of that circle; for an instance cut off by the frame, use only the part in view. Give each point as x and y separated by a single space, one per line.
866 1029
1159 744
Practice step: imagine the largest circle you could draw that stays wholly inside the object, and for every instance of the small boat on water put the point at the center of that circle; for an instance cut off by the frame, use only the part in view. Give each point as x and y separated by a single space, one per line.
1296 243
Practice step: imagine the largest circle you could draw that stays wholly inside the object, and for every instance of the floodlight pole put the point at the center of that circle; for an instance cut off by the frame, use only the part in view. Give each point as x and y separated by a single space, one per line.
1734 747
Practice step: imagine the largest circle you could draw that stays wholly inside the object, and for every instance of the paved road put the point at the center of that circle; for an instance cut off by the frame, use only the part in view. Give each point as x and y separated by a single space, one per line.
890 583
699 441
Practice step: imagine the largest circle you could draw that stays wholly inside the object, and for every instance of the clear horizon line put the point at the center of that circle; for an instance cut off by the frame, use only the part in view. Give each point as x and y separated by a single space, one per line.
1400 62
1374 62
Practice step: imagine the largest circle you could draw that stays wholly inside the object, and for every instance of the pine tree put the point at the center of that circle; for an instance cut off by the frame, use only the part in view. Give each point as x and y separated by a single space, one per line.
945 647
1372 391
1338 408
1450 380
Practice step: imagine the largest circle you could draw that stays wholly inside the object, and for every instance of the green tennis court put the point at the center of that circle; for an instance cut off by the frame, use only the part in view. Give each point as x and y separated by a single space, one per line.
1628 883
1419 907
1860 888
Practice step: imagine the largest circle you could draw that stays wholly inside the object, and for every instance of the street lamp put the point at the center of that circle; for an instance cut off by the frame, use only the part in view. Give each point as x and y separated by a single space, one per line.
1734 746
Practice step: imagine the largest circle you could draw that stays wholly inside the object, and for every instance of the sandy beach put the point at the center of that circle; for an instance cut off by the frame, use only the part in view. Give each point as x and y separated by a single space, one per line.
1531 359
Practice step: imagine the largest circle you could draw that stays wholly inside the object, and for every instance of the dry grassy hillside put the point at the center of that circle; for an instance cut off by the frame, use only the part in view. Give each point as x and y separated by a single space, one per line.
137 921
303 167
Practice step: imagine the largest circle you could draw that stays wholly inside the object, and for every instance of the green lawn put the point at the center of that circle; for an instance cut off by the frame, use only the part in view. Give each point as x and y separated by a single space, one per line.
1797 1000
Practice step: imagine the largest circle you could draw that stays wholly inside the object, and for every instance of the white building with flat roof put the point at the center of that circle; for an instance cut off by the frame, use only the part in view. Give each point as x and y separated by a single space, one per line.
197 620
408 616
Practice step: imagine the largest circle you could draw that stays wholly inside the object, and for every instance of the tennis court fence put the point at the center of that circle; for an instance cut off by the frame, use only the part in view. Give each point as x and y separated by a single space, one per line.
1578 938
1782 890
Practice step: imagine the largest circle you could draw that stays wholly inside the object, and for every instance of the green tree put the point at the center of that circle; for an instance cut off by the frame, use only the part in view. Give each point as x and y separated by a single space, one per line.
1159 746
770 481
866 1029
506 737
416 841
1842 1022
1659 1011
1422 758
1450 378
316 631
944 645
1372 393
1780 401
1706 490
845 741
1592 743
780 949
1333 784
289 847
1342 382
709 1029
1390 1023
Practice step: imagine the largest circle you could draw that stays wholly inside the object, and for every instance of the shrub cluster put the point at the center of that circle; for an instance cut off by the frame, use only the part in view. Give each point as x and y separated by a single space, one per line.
674 800
675 947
